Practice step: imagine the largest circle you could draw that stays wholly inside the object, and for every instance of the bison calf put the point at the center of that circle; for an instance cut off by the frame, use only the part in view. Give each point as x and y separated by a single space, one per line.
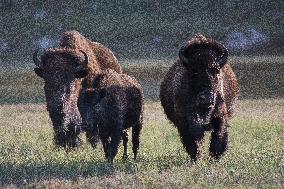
110 107
199 93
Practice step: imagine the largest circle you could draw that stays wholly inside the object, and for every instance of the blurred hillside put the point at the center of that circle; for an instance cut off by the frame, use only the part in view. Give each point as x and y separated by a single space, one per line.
141 28
259 78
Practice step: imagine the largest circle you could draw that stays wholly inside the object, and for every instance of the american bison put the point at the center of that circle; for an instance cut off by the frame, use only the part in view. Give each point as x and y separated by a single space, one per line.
62 70
112 105
199 93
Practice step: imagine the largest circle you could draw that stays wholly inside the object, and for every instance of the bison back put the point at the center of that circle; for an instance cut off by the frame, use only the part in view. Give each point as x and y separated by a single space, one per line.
98 53
105 57
231 89
123 94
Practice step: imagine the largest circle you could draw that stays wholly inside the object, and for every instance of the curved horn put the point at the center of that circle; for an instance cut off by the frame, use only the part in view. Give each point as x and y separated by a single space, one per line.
86 60
181 55
223 58
37 62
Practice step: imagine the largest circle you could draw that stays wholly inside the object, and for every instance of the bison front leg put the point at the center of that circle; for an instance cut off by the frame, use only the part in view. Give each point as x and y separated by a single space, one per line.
115 138
67 139
60 138
192 139
104 136
219 137
110 136
72 136
92 135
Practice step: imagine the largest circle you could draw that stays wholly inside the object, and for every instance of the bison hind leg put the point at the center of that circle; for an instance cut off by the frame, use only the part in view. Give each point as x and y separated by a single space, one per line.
136 129
125 143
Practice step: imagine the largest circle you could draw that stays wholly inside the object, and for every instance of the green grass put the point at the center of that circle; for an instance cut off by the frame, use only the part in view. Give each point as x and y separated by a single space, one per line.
259 77
254 160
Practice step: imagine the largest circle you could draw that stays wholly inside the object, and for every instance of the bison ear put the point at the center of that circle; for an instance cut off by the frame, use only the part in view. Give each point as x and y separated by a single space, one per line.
222 60
38 72
183 57
81 73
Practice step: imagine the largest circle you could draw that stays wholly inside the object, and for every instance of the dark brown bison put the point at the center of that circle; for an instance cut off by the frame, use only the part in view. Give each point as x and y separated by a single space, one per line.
62 70
199 93
112 105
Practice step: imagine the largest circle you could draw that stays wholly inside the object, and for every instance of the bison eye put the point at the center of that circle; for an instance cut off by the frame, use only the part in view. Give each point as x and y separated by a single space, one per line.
39 72
194 72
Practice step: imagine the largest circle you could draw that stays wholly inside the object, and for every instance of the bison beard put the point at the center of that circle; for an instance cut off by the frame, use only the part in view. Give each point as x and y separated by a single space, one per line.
199 93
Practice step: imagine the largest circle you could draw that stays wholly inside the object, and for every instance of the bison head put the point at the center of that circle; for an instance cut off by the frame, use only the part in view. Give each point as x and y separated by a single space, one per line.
89 105
203 59
61 70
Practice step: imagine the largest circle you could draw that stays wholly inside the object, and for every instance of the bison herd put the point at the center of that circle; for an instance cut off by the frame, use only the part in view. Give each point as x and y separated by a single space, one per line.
87 91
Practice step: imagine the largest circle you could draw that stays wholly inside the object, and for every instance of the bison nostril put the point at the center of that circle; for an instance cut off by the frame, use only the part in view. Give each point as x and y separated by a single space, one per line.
204 100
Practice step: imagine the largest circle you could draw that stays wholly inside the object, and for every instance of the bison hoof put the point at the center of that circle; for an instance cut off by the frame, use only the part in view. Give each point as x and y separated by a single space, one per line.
110 160
217 150
124 157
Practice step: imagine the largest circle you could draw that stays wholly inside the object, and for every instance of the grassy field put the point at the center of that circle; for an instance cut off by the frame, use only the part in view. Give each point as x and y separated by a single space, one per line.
254 160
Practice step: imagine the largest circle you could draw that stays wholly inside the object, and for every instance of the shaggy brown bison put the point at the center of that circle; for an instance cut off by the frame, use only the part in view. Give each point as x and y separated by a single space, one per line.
112 105
62 70
199 93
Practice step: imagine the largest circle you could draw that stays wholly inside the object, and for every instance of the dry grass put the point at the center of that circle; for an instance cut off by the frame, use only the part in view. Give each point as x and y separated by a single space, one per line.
255 158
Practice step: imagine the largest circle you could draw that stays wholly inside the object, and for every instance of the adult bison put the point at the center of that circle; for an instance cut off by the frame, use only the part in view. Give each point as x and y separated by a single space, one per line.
199 93
62 70
111 106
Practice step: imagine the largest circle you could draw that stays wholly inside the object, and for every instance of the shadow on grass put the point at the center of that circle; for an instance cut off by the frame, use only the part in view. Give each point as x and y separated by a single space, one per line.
21 174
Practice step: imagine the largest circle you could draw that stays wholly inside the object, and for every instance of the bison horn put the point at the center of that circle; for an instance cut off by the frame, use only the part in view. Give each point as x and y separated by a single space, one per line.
36 60
223 58
82 70
86 60
182 57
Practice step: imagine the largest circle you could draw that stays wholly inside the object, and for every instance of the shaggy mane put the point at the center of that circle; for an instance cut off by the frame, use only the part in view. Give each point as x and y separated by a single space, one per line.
199 41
